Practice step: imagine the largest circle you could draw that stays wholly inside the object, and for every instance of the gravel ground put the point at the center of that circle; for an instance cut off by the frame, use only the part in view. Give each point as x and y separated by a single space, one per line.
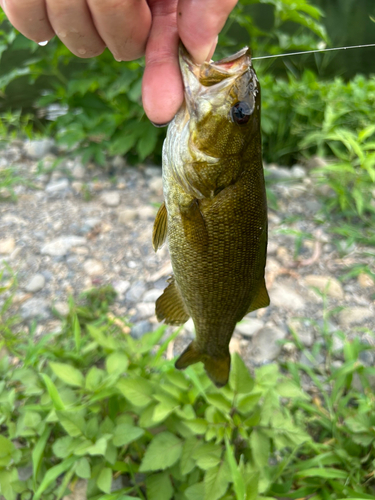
72 227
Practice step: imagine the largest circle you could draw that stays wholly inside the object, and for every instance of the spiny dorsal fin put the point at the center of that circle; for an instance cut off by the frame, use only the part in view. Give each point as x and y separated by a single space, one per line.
194 225
217 368
159 232
261 299
170 306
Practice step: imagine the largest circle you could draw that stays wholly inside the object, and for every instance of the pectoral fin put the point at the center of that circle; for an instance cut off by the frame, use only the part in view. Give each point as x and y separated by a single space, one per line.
217 368
170 306
159 232
261 299
194 225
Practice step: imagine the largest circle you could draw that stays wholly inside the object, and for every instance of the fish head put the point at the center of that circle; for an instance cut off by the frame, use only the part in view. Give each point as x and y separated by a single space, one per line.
222 104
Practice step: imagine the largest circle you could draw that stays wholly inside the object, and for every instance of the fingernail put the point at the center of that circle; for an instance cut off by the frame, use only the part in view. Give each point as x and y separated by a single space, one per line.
160 125
204 53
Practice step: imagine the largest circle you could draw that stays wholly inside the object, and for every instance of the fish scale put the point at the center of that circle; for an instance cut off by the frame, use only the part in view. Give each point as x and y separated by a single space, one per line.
214 218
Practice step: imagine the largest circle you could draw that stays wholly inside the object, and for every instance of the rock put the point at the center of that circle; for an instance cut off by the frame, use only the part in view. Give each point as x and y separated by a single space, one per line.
367 357
156 185
326 284
235 346
305 335
283 296
93 267
57 187
272 247
265 346
145 310
35 309
284 256
38 149
79 491
61 246
77 186
36 283
136 291
298 172
61 308
152 295
316 162
127 215
146 212
189 327
153 171
249 327
121 286
351 316
110 198
276 173
78 170
118 162
311 361
365 281
7 245
141 329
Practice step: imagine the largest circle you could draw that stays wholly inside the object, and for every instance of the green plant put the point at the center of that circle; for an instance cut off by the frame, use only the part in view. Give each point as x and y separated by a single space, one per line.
93 403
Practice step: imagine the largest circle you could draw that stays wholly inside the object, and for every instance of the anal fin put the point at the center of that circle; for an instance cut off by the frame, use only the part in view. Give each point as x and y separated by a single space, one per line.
261 299
170 306
159 232
217 368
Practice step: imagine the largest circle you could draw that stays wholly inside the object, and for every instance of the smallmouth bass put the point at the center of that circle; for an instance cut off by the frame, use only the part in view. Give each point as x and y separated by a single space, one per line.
214 216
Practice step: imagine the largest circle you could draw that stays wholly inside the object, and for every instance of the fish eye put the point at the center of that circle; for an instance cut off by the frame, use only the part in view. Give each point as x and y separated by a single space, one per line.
240 112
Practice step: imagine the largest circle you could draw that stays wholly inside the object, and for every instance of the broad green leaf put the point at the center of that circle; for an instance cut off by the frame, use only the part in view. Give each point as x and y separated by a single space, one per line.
6 487
116 362
247 403
83 468
94 379
238 481
288 389
137 390
159 487
6 449
198 425
216 482
104 481
67 373
219 401
163 451
195 492
240 379
187 462
73 422
52 474
260 448
62 447
126 433
53 393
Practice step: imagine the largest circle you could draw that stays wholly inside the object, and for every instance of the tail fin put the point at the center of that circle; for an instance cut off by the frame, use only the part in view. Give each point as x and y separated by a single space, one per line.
217 368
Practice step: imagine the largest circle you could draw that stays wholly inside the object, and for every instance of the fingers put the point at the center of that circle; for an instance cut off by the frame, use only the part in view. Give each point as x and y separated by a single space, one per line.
162 89
73 24
123 25
199 23
30 18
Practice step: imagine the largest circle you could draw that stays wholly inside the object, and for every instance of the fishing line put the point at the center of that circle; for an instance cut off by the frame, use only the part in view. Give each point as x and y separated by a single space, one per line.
314 51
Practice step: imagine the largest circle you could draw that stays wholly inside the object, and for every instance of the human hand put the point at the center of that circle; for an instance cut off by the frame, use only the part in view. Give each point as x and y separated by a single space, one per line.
130 28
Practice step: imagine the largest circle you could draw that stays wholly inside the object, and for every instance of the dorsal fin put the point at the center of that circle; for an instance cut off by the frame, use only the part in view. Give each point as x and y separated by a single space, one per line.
159 232
170 306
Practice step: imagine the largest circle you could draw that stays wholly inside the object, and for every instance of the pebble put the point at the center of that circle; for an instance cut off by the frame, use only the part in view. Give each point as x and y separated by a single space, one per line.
36 283
156 185
304 334
35 309
146 212
61 246
145 310
141 329
136 291
249 327
152 295
276 173
56 187
38 149
311 361
298 172
110 198
351 316
78 170
365 281
121 286
326 284
62 308
118 162
7 245
127 215
93 267
77 186
285 297
265 346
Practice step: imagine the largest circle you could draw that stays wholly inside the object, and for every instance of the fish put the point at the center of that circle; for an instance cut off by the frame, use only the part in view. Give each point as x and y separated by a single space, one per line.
214 214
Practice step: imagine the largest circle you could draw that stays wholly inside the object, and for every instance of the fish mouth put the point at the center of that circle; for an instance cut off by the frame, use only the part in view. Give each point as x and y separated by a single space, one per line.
212 72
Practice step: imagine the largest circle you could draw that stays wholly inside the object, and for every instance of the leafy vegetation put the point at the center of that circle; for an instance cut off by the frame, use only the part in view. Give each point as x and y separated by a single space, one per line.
91 403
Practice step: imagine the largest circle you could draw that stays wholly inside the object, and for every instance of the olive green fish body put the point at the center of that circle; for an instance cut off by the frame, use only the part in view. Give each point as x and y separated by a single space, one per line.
215 213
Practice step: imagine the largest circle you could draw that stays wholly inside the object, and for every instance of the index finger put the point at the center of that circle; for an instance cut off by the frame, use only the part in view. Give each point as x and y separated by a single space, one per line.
199 22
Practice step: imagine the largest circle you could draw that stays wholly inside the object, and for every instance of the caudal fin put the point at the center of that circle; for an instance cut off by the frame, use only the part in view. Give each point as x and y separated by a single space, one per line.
217 368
